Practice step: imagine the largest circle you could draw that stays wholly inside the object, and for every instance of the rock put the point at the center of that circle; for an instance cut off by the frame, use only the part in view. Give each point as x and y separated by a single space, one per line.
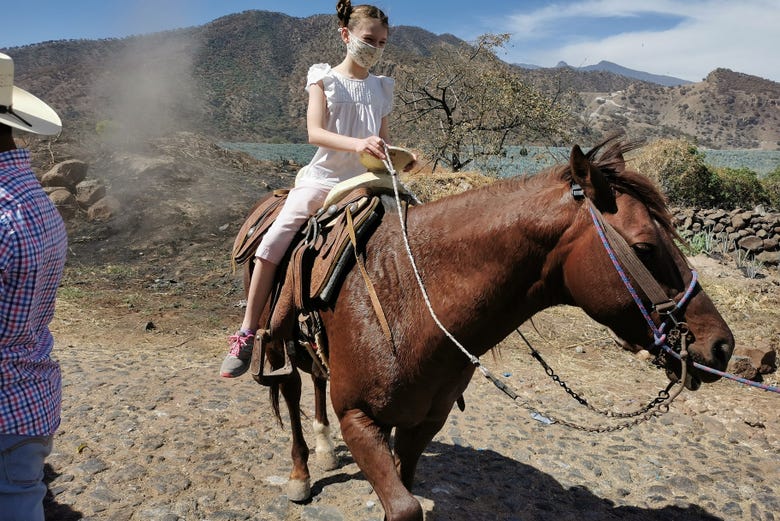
769 258
742 366
747 216
67 174
103 210
65 203
751 243
717 214
321 513
89 192
771 243
762 357
737 222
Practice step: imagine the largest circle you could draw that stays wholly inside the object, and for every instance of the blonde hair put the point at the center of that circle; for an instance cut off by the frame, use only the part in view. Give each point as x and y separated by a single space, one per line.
350 16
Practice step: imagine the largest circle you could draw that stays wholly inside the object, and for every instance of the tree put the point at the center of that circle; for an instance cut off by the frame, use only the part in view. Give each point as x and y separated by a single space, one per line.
470 105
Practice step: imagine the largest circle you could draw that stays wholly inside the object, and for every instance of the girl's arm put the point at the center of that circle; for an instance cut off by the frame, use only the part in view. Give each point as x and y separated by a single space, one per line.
316 115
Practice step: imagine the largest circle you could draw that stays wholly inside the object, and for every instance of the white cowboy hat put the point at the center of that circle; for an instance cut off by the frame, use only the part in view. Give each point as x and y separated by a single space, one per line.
20 109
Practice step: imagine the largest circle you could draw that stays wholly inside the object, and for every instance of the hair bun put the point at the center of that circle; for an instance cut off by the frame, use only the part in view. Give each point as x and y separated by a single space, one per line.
344 11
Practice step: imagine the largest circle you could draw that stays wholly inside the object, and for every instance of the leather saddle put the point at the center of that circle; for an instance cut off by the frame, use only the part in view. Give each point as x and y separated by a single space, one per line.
310 275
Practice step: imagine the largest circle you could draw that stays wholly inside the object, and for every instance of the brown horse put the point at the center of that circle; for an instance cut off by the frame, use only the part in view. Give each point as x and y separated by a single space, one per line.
490 259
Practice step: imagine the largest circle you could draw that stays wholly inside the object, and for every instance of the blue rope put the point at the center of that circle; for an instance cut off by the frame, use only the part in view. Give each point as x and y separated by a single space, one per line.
658 334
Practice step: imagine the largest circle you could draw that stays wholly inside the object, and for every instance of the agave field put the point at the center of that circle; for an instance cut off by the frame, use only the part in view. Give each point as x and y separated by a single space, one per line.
519 160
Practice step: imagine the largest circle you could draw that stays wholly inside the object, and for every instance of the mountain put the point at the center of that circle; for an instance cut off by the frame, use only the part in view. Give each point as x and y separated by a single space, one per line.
667 81
241 78
726 110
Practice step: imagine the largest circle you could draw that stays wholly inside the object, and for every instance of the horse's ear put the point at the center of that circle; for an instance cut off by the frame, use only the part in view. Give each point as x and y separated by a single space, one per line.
620 163
579 165
592 180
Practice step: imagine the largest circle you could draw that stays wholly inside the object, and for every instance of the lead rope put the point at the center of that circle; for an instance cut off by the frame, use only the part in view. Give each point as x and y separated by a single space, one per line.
656 410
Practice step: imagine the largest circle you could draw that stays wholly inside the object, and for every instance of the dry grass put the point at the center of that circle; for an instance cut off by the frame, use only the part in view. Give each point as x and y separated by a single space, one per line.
429 186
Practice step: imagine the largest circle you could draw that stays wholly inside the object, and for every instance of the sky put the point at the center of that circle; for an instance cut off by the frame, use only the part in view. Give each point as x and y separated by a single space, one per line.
682 38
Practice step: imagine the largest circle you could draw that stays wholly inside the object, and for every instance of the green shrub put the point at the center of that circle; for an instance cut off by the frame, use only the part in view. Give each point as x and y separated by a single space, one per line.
678 168
740 187
771 185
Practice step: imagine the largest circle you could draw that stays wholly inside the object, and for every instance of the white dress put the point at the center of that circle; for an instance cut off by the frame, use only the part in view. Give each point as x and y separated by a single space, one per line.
355 108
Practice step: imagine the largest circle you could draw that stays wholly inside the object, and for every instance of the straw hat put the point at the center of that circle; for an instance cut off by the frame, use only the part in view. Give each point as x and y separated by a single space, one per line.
20 109
400 157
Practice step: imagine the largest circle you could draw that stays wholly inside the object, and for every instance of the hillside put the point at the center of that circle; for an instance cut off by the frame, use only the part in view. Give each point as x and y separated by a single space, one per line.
725 110
232 79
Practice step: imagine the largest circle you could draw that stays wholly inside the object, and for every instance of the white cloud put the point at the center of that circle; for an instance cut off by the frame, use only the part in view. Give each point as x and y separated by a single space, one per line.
742 36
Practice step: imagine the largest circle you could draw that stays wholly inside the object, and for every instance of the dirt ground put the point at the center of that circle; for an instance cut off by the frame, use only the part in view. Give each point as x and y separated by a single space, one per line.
150 432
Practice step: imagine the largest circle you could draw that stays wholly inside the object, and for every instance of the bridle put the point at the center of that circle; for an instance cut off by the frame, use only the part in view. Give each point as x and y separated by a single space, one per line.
625 260
665 343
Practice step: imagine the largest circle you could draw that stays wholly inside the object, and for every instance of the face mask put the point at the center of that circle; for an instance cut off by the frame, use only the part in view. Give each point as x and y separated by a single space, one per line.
362 53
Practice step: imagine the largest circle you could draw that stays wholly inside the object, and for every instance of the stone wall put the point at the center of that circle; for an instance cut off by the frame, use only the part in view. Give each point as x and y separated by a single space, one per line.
756 231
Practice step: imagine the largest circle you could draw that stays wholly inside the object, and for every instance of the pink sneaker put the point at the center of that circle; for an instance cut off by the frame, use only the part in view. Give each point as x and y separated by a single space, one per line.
237 360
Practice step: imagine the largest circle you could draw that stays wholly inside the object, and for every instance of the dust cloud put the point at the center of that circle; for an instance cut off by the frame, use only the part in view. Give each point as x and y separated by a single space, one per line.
147 88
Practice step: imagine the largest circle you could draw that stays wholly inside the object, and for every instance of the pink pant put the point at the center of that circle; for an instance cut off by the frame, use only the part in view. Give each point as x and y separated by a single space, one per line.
302 202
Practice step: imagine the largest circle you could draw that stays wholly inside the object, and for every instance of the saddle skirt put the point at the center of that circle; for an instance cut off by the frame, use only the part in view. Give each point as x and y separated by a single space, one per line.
311 273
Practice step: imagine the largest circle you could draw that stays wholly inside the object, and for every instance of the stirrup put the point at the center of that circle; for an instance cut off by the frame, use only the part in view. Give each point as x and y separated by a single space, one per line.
261 369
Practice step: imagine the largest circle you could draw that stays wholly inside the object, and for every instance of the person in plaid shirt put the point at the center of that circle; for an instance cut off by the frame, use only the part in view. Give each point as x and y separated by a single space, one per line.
33 245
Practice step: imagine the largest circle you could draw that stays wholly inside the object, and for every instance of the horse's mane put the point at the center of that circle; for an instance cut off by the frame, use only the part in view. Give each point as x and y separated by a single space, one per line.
608 157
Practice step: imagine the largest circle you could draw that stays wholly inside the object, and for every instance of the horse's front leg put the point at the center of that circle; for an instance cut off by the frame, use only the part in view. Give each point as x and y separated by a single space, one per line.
370 448
299 485
324 449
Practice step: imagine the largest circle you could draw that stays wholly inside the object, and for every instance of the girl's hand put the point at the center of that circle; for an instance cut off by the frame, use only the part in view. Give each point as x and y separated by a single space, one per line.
373 145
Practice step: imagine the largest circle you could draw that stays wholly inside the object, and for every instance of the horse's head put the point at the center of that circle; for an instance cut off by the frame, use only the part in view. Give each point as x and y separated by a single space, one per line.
598 270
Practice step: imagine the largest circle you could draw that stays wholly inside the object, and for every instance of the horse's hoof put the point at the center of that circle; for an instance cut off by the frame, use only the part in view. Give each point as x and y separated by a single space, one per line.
299 490
327 460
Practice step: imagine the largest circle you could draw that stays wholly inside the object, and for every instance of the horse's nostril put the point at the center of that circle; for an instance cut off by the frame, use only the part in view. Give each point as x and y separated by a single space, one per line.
721 352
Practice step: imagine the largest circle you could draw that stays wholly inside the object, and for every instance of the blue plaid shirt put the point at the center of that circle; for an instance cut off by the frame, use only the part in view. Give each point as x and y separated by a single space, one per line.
33 245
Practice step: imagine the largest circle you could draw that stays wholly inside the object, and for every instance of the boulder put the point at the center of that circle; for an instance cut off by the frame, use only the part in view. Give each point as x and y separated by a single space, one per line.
65 203
771 243
751 243
89 192
762 357
737 222
742 366
769 258
104 209
718 214
67 174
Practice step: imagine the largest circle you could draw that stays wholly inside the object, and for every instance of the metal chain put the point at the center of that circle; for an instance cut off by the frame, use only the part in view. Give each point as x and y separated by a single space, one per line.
657 408
663 394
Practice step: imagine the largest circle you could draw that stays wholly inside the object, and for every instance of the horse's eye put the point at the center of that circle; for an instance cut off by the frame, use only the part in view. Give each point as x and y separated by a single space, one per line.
643 249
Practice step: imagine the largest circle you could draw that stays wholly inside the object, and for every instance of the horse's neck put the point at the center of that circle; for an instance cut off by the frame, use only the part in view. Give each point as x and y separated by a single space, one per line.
489 253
